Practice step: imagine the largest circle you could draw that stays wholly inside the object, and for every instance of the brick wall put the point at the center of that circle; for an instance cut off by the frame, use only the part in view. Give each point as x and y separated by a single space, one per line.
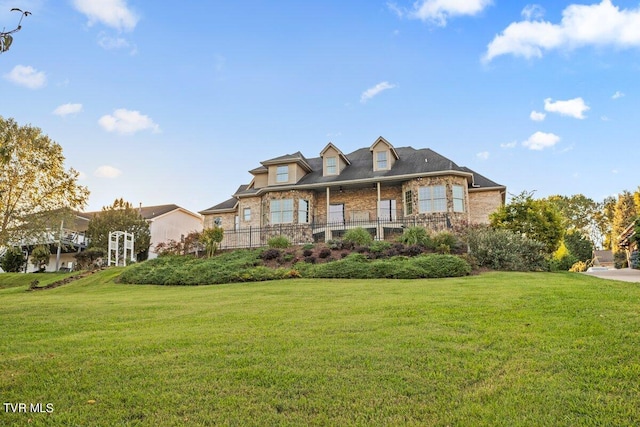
482 204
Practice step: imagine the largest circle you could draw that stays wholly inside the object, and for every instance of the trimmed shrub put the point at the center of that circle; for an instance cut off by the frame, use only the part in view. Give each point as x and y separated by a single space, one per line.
358 236
356 266
444 242
379 246
89 259
281 242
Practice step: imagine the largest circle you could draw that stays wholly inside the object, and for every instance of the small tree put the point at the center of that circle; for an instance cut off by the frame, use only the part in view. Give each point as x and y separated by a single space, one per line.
538 220
13 260
121 216
211 238
40 257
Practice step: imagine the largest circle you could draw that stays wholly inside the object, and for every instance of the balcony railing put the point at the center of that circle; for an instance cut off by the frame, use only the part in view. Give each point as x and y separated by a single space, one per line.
385 227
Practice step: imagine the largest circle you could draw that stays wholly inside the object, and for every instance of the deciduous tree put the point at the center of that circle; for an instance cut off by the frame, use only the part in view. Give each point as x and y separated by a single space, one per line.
536 219
120 216
36 191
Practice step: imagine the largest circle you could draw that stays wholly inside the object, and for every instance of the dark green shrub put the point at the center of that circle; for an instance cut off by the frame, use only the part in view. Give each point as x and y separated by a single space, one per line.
281 242
324 253
620 259
358 236
562 264
13 260
356 266
308 246
270 254
416 236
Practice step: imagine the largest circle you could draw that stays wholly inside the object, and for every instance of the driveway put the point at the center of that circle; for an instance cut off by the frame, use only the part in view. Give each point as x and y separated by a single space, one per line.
624 274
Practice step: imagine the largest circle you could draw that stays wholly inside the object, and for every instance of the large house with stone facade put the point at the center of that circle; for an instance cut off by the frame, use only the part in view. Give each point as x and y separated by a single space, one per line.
381 188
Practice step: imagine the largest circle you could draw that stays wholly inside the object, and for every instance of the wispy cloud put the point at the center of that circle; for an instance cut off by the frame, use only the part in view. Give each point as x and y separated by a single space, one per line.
67 109
541 140
112 13
107 171
600 24
439 11
27 76
483 155
532 11
575 107
617 95
511 144
371 92
127 122
537 116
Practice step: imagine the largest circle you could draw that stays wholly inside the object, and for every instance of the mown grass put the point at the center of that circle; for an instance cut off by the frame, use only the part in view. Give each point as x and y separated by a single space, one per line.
499 349
19 280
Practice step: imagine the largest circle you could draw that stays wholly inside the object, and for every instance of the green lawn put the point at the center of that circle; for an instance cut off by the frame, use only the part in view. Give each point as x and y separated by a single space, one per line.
499 349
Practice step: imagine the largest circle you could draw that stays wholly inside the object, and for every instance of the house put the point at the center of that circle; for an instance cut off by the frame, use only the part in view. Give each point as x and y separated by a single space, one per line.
381 188
603 258
166 222
627 241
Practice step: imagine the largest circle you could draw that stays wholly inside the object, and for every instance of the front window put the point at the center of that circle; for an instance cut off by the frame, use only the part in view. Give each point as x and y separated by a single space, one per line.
458 198
282 211
246 214
381 160
303 211
282 174
432 199
408 202
332 166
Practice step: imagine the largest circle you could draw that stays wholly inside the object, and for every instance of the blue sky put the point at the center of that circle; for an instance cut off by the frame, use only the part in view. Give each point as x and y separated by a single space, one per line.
174 102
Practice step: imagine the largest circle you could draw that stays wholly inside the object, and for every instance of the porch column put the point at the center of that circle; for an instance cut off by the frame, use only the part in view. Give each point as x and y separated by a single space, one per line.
379 229
327 232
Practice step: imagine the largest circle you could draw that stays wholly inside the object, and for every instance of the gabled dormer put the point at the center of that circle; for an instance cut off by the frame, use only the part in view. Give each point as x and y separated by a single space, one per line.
383 155
333 160
287 169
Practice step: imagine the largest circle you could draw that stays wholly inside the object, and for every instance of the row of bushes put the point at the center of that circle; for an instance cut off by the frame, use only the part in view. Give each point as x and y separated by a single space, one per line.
245 266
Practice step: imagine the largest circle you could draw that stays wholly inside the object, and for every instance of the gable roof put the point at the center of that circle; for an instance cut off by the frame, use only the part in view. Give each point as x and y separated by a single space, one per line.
147 212
340 153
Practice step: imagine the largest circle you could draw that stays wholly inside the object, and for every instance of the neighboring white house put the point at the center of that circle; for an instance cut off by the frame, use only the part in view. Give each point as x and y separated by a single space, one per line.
169 222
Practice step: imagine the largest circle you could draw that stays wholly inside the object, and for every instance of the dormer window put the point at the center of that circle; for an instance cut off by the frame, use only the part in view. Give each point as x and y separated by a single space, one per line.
381 160
332 165
282 174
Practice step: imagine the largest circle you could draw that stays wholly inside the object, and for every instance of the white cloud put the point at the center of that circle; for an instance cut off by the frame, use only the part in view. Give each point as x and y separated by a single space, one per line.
27 76
532 11
600 24
66 109
439 11
511 144
483 155
126 122
112 13
537 116
107 172
617 95
371 92
572 107
541 140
